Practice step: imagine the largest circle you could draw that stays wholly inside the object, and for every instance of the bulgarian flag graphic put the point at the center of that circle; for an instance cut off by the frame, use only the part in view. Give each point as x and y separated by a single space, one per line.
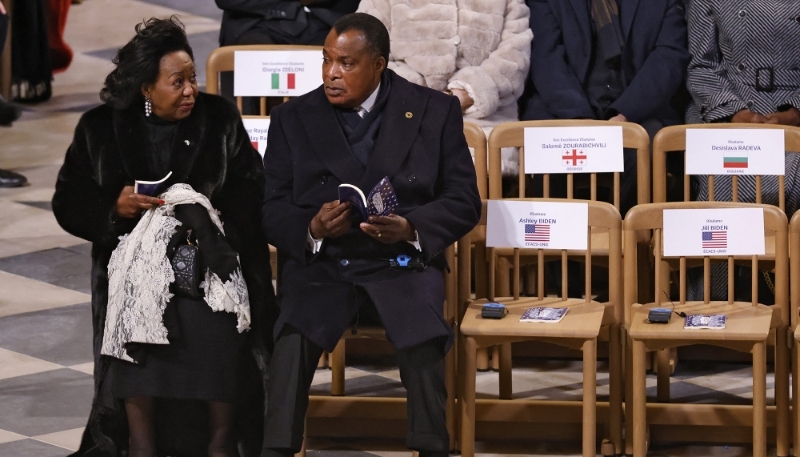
283 80
739 160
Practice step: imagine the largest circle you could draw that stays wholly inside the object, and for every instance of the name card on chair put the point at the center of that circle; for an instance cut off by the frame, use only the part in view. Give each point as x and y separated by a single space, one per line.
721 231
257 130
735 152
537 225
573 149
276 73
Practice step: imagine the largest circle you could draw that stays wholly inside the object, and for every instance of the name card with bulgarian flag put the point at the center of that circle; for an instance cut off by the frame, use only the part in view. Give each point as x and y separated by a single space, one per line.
713 232
573 149
276 73
257 128
537 225
735 152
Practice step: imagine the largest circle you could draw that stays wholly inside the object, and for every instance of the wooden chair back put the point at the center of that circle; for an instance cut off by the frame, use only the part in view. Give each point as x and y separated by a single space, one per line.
476 140
794 271
221 60
512 134
672 140
649 217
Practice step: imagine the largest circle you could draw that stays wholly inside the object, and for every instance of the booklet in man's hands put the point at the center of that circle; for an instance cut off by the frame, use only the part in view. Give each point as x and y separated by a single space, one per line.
381 200
151 188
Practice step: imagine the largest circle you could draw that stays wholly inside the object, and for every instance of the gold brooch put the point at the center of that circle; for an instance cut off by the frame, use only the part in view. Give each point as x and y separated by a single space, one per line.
409 114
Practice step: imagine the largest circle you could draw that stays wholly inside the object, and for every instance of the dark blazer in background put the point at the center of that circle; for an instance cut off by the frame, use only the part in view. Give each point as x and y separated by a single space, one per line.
285 17
654 59
421 148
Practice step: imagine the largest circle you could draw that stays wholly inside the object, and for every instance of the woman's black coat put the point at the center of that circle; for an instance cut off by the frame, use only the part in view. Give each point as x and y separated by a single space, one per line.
212 153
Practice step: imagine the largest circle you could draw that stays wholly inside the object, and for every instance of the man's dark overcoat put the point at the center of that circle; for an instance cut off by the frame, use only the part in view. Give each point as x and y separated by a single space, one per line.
212 153
654 60
421 148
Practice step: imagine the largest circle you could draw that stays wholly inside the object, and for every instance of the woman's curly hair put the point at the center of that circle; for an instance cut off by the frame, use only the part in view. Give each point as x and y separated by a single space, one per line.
138 62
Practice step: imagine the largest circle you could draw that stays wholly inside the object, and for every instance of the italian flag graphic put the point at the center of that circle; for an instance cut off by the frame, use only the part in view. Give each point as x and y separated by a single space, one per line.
283 80
737 161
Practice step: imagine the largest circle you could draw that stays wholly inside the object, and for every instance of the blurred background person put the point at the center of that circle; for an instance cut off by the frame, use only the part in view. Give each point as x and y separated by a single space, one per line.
476 51
8 112
31 70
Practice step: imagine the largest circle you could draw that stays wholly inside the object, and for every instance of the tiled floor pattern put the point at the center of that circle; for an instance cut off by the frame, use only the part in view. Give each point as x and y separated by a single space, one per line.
45 327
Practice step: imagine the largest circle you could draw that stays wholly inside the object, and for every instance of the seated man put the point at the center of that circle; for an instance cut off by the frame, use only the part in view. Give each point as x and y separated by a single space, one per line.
363 124
617 60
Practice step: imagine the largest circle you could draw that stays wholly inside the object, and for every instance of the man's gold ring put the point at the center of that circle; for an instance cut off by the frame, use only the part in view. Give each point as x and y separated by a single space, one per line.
379 234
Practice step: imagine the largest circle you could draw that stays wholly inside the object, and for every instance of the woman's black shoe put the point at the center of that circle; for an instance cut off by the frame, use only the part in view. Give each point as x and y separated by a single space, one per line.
8 113
11 179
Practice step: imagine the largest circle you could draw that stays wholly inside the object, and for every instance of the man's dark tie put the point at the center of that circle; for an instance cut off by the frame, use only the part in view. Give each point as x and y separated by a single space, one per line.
353 119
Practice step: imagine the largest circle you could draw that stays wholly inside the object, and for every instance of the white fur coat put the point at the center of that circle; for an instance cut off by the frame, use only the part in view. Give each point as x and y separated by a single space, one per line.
483 46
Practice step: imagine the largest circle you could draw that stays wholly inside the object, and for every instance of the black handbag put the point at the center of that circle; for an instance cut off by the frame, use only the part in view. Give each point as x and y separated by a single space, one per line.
187 264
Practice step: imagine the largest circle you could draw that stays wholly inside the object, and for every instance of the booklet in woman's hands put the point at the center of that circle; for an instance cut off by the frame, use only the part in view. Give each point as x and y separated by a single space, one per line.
381 201
151 188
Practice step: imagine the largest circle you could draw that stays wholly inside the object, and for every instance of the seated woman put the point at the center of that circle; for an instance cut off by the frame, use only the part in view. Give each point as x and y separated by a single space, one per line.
194 363
478 51
744 70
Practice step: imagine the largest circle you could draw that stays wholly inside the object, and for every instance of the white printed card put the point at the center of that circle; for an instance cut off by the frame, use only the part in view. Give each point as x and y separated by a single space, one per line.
257 130
713 232
573 149
276 73
537 225
735 152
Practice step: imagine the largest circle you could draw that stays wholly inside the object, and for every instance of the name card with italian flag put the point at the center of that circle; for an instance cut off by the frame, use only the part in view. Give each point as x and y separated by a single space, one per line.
573 149
713 232
276 73
735 152
537 225
257 129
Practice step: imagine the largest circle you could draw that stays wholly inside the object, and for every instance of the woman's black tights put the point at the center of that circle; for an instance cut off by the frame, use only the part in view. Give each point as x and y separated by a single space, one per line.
142 439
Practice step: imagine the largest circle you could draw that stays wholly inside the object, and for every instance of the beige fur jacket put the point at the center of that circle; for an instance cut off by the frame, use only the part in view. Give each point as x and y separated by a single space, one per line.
481 46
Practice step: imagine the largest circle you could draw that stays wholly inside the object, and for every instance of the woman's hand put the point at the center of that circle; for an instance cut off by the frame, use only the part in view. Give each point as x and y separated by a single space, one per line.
463 98
788 117
389 229
130 205
746 116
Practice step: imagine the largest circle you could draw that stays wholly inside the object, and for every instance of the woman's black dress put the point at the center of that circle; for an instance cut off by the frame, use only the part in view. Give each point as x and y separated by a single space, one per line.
204 357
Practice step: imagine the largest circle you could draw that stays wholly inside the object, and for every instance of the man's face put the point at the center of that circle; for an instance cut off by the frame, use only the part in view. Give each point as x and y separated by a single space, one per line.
350 72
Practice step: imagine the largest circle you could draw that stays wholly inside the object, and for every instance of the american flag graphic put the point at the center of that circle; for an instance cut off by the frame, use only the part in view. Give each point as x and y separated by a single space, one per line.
537 232
715 240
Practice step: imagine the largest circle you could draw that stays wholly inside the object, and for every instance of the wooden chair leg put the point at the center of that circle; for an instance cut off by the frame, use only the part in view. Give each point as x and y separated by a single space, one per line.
336 360
302 452
495 357
483 359
503 352
450 382
503 277
589 398
796 396
760 400
530 280
628 386
615 376
663 371
639 399
323 360
468 399
782 392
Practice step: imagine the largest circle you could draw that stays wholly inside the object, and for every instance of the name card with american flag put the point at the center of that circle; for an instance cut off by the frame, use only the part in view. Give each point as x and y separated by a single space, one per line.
713 232
573 149
276 73
257 128
735 152
537 225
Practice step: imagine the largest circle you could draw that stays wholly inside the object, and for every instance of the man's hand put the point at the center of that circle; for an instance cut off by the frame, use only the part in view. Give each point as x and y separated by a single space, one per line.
788 117
130 205
619 118
463 98
389 229
2 9
746 116
332 220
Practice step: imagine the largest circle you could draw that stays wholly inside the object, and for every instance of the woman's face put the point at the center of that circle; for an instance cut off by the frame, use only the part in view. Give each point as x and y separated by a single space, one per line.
175 90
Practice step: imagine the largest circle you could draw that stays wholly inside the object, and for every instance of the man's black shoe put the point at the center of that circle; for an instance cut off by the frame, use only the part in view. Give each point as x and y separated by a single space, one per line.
11 179
8 113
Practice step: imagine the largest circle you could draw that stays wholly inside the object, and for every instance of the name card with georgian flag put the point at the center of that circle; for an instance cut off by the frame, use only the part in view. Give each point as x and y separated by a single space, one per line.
276 73
573 149
257 129
537 225
735 152
713 232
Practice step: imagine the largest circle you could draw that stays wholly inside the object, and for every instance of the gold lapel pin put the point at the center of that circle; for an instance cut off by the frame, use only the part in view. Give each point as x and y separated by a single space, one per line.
187 142
409 114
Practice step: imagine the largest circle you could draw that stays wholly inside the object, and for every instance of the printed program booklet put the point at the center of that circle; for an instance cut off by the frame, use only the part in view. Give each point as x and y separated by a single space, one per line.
151 188
381 201
549 315
713 321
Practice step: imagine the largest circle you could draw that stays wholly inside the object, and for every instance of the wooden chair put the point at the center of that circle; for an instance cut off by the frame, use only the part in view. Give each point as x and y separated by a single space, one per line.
794 297
579 329
221 59
747 329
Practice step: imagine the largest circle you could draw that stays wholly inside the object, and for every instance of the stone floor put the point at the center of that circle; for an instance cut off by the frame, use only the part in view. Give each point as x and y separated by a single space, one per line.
45 328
